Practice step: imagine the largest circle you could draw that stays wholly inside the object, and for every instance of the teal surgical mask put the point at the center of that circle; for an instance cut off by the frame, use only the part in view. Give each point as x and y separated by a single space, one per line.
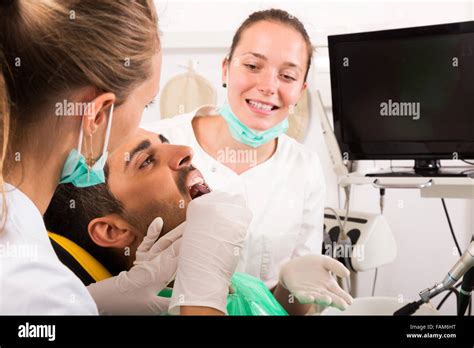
77 172
248 136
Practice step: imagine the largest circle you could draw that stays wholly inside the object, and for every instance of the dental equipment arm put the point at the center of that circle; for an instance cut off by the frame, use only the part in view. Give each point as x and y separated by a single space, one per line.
464 264
457 271
331 143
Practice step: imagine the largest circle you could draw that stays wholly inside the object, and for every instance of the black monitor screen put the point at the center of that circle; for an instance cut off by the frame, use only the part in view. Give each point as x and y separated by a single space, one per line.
405 93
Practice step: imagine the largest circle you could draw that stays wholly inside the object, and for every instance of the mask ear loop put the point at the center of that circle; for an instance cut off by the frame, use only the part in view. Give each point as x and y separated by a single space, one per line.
107 132
106 142
90 159
79 147
81 133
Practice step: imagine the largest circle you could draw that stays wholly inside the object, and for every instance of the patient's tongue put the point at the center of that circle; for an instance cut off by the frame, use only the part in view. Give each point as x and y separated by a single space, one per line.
198 190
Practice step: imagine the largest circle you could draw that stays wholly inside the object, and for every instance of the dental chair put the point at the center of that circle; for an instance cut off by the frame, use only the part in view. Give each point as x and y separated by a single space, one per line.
78 260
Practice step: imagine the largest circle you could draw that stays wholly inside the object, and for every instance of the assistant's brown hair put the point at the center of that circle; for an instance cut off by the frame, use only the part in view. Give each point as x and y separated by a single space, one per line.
49 48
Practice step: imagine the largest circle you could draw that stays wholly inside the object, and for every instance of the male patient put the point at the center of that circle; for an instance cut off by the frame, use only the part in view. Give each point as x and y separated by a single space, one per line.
145 178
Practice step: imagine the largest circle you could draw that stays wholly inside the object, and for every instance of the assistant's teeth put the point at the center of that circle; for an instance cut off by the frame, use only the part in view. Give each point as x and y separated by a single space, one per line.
260 106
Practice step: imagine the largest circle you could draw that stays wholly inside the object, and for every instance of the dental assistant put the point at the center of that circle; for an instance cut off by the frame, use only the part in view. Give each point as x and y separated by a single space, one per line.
45 64
265 75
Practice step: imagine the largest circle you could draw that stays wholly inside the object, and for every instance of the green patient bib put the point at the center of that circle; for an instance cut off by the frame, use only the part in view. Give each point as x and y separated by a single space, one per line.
249 296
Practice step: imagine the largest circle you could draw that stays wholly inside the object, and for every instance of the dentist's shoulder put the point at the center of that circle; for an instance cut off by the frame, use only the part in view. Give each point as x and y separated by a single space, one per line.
178 128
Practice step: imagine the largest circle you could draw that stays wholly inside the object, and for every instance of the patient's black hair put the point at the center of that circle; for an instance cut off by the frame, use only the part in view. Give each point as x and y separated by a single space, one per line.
70 211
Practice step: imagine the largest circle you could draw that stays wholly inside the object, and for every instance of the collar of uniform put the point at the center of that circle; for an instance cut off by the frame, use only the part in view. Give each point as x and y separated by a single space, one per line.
206 110
14 194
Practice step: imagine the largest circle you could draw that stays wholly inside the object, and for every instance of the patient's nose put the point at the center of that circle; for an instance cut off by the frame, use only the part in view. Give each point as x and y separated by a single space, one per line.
181 157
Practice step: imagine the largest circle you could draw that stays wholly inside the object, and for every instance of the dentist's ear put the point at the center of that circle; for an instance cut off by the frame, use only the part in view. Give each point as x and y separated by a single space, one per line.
303 88
225 71
97 112
111 231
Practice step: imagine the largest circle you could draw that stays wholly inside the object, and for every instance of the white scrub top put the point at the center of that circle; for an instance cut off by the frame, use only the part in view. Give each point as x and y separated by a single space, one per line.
286 194
32 279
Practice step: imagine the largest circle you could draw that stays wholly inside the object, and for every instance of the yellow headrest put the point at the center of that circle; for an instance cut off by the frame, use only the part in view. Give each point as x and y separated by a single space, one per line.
86 260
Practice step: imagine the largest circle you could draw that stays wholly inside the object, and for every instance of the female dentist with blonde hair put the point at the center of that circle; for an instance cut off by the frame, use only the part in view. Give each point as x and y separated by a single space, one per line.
265 75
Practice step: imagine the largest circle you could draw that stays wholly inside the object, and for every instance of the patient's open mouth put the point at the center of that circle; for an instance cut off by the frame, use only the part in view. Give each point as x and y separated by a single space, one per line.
196 184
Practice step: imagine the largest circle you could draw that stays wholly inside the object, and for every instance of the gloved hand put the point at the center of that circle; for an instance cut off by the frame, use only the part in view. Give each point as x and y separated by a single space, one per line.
216 227
149 248
134 292
308 279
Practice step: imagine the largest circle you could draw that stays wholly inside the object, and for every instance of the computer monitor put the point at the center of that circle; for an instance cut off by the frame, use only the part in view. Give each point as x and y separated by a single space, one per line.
405 93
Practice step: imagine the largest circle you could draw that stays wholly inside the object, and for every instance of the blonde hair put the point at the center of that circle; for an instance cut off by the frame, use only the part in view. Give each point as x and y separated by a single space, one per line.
52 47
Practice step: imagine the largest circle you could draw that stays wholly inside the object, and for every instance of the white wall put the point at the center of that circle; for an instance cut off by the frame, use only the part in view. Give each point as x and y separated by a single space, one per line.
202 31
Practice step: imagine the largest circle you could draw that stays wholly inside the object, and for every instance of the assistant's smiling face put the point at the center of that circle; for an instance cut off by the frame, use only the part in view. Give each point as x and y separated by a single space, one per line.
266 74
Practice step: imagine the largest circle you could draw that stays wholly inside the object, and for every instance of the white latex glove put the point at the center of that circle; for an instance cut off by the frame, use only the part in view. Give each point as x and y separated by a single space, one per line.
216 227
135 292
149 248
308 279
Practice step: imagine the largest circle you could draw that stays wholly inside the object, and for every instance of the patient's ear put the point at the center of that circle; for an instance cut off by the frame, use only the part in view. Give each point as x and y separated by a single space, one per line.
111 231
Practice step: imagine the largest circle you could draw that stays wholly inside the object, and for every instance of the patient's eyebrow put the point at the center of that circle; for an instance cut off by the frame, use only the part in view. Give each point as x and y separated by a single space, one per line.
144 144
163 139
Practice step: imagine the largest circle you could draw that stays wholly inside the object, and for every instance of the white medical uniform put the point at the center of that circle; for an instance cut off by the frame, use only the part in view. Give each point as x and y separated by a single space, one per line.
286 194
32 279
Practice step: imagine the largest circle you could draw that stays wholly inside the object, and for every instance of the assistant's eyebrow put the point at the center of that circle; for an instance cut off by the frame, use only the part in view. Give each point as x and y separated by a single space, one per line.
258 55
292 65
143 145
261 56
163 139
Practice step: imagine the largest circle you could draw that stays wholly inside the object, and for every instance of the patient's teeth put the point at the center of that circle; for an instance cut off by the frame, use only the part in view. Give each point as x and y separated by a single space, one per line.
197 180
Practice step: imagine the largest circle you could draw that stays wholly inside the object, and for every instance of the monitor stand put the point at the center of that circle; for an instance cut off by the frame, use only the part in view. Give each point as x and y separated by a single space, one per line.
426 168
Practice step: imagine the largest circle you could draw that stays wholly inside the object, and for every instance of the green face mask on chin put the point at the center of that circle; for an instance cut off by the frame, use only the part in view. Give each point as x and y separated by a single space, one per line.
248 136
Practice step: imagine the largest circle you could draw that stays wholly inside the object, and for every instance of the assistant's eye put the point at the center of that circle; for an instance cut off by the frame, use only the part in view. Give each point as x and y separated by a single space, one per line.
288 77
251 67
150 159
